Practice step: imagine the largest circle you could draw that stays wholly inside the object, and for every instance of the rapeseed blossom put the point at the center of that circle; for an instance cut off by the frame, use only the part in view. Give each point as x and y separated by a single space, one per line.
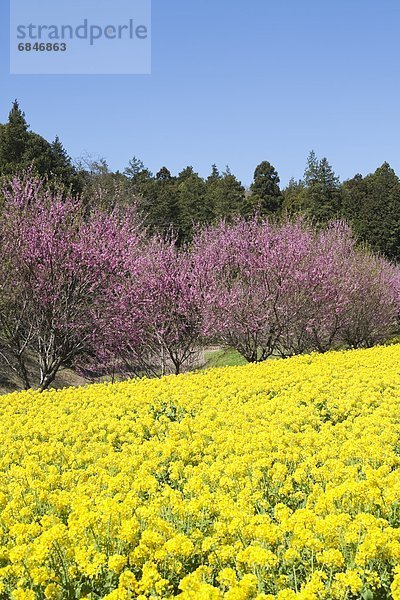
276 481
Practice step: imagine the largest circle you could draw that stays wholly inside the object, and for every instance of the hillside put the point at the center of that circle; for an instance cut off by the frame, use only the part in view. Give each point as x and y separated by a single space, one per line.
277 480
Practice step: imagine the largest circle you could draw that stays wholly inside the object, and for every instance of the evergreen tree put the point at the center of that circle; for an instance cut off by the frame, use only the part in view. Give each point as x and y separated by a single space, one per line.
140 178
186 173
322 197
294 197
372 205
141 183
266 196
158 202
103 188
62 167
21 149
212 189
214 176
191 202
311 173
134 168
165 211
14 138
353 200
225 194
164 174
38 156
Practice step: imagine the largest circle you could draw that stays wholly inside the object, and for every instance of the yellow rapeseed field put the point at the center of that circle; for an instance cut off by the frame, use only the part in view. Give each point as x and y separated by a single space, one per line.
279 480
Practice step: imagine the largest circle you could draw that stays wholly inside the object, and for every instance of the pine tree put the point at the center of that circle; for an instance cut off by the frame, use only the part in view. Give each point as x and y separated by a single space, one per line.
294 197
134 168
21 149
372 205
311 173
192 205
157 198
14 137
212 188
225 194
214 176
165 213
266 196
322 198
62 168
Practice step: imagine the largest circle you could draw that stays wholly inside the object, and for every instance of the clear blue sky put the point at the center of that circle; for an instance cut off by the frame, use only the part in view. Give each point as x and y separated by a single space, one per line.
235 82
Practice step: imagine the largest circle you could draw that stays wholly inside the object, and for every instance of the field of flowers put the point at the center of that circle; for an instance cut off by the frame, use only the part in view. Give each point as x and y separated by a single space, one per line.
278 480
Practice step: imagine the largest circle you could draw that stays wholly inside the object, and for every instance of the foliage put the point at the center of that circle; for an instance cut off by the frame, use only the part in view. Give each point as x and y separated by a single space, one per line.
21 149
372 204
159 202
225 194
318 195
266 195
179 204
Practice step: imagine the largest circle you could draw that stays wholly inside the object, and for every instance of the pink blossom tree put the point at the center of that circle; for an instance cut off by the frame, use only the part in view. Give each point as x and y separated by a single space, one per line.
285 289
239 281
371 314
174 312
320 289
57 267
157 317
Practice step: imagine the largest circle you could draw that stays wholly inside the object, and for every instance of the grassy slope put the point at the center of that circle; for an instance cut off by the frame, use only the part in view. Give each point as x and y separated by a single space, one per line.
226 357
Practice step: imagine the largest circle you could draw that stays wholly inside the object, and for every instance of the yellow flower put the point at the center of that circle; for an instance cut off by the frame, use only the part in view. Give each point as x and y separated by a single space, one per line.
276 477
395 587
331 558
350 580
53 592
127 581
227 577
23 595
256 555
291 555
287 594
117 562
179 545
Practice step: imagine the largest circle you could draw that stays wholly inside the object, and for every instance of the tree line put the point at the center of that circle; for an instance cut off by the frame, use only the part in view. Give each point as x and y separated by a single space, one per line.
180 203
